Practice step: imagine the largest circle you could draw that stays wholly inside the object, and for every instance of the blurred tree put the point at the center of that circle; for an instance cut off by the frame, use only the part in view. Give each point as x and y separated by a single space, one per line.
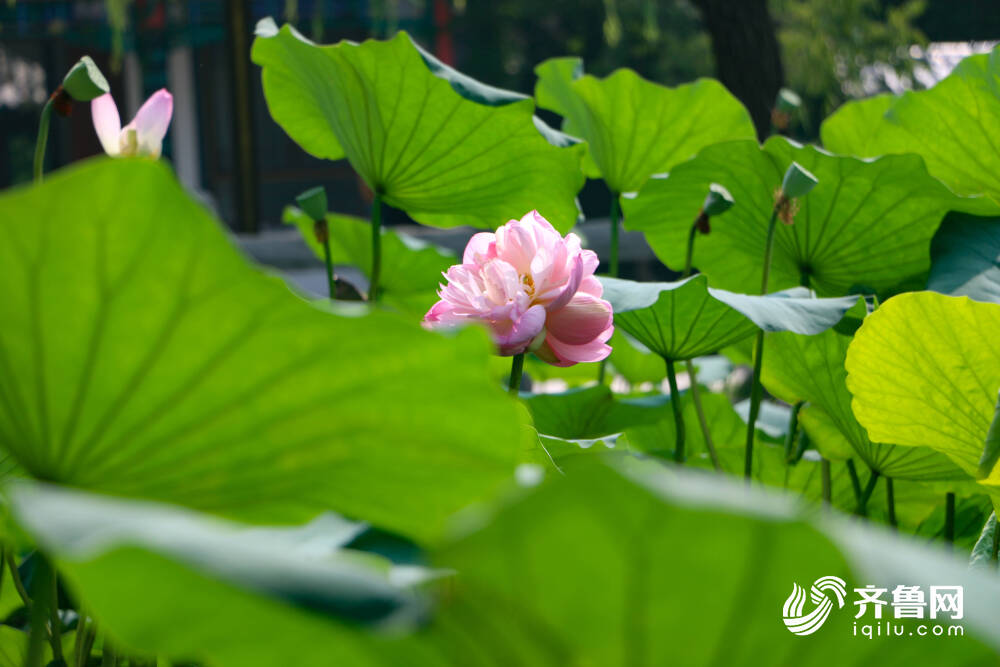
834 51
747 56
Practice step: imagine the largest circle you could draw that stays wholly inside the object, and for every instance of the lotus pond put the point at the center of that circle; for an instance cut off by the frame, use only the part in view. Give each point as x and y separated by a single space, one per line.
202 465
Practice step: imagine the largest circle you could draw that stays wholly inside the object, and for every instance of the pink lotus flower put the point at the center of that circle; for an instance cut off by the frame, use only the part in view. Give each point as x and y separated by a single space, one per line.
143 136
534 289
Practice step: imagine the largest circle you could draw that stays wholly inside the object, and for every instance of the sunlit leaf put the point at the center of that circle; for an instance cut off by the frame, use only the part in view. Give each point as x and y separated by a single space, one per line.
954 126
436 144
812 369
635 128
924 370
143 356
865 223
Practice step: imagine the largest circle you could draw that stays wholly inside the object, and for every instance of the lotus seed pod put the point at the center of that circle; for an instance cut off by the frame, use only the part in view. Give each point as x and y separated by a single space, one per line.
718 200
84 81
313 202
797 181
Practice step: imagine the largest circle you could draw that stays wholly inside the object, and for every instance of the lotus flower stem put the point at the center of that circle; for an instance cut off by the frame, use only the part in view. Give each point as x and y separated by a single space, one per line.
689 256
890 501
615 219
44 589
328 260
516 371
705 430
793 428
376 248
827 486
867 493
755 387
949 517
42 140
15 576
675 403
855 480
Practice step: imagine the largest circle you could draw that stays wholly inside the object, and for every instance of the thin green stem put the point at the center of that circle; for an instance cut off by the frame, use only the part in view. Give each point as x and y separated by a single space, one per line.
675 403
43 587
756 390
949 517
328 260
995 552
793 429
373 292
615 218
827 486
108 656
15 576
867 493
516 371
689 256
705 430
855 480
42 140
890 501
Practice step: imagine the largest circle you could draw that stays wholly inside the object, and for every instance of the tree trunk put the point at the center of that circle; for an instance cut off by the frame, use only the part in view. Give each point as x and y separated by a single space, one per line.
747 54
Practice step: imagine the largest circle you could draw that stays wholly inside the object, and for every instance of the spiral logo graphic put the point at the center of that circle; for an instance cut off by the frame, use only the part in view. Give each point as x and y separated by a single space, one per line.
800 624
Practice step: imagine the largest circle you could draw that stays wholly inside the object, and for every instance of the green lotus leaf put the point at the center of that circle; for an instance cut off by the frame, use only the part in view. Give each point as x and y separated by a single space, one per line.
635 128
687 319
966 258
143 356
865 223
411 268
437 145
812 369
984 553
592 412
521 596
924 370
954 126
164 580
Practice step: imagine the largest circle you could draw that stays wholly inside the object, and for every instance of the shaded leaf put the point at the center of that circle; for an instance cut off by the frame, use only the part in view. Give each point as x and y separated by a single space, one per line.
411 269
592 412
687 319
966 258
522 600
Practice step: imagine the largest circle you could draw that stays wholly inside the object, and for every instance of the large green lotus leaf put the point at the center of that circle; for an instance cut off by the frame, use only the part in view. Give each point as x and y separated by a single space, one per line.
966 258
170 582
865 223
924 370
421 137
635 128
411 269
713 597
687 319
954 126
812 369
143 356
592 412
